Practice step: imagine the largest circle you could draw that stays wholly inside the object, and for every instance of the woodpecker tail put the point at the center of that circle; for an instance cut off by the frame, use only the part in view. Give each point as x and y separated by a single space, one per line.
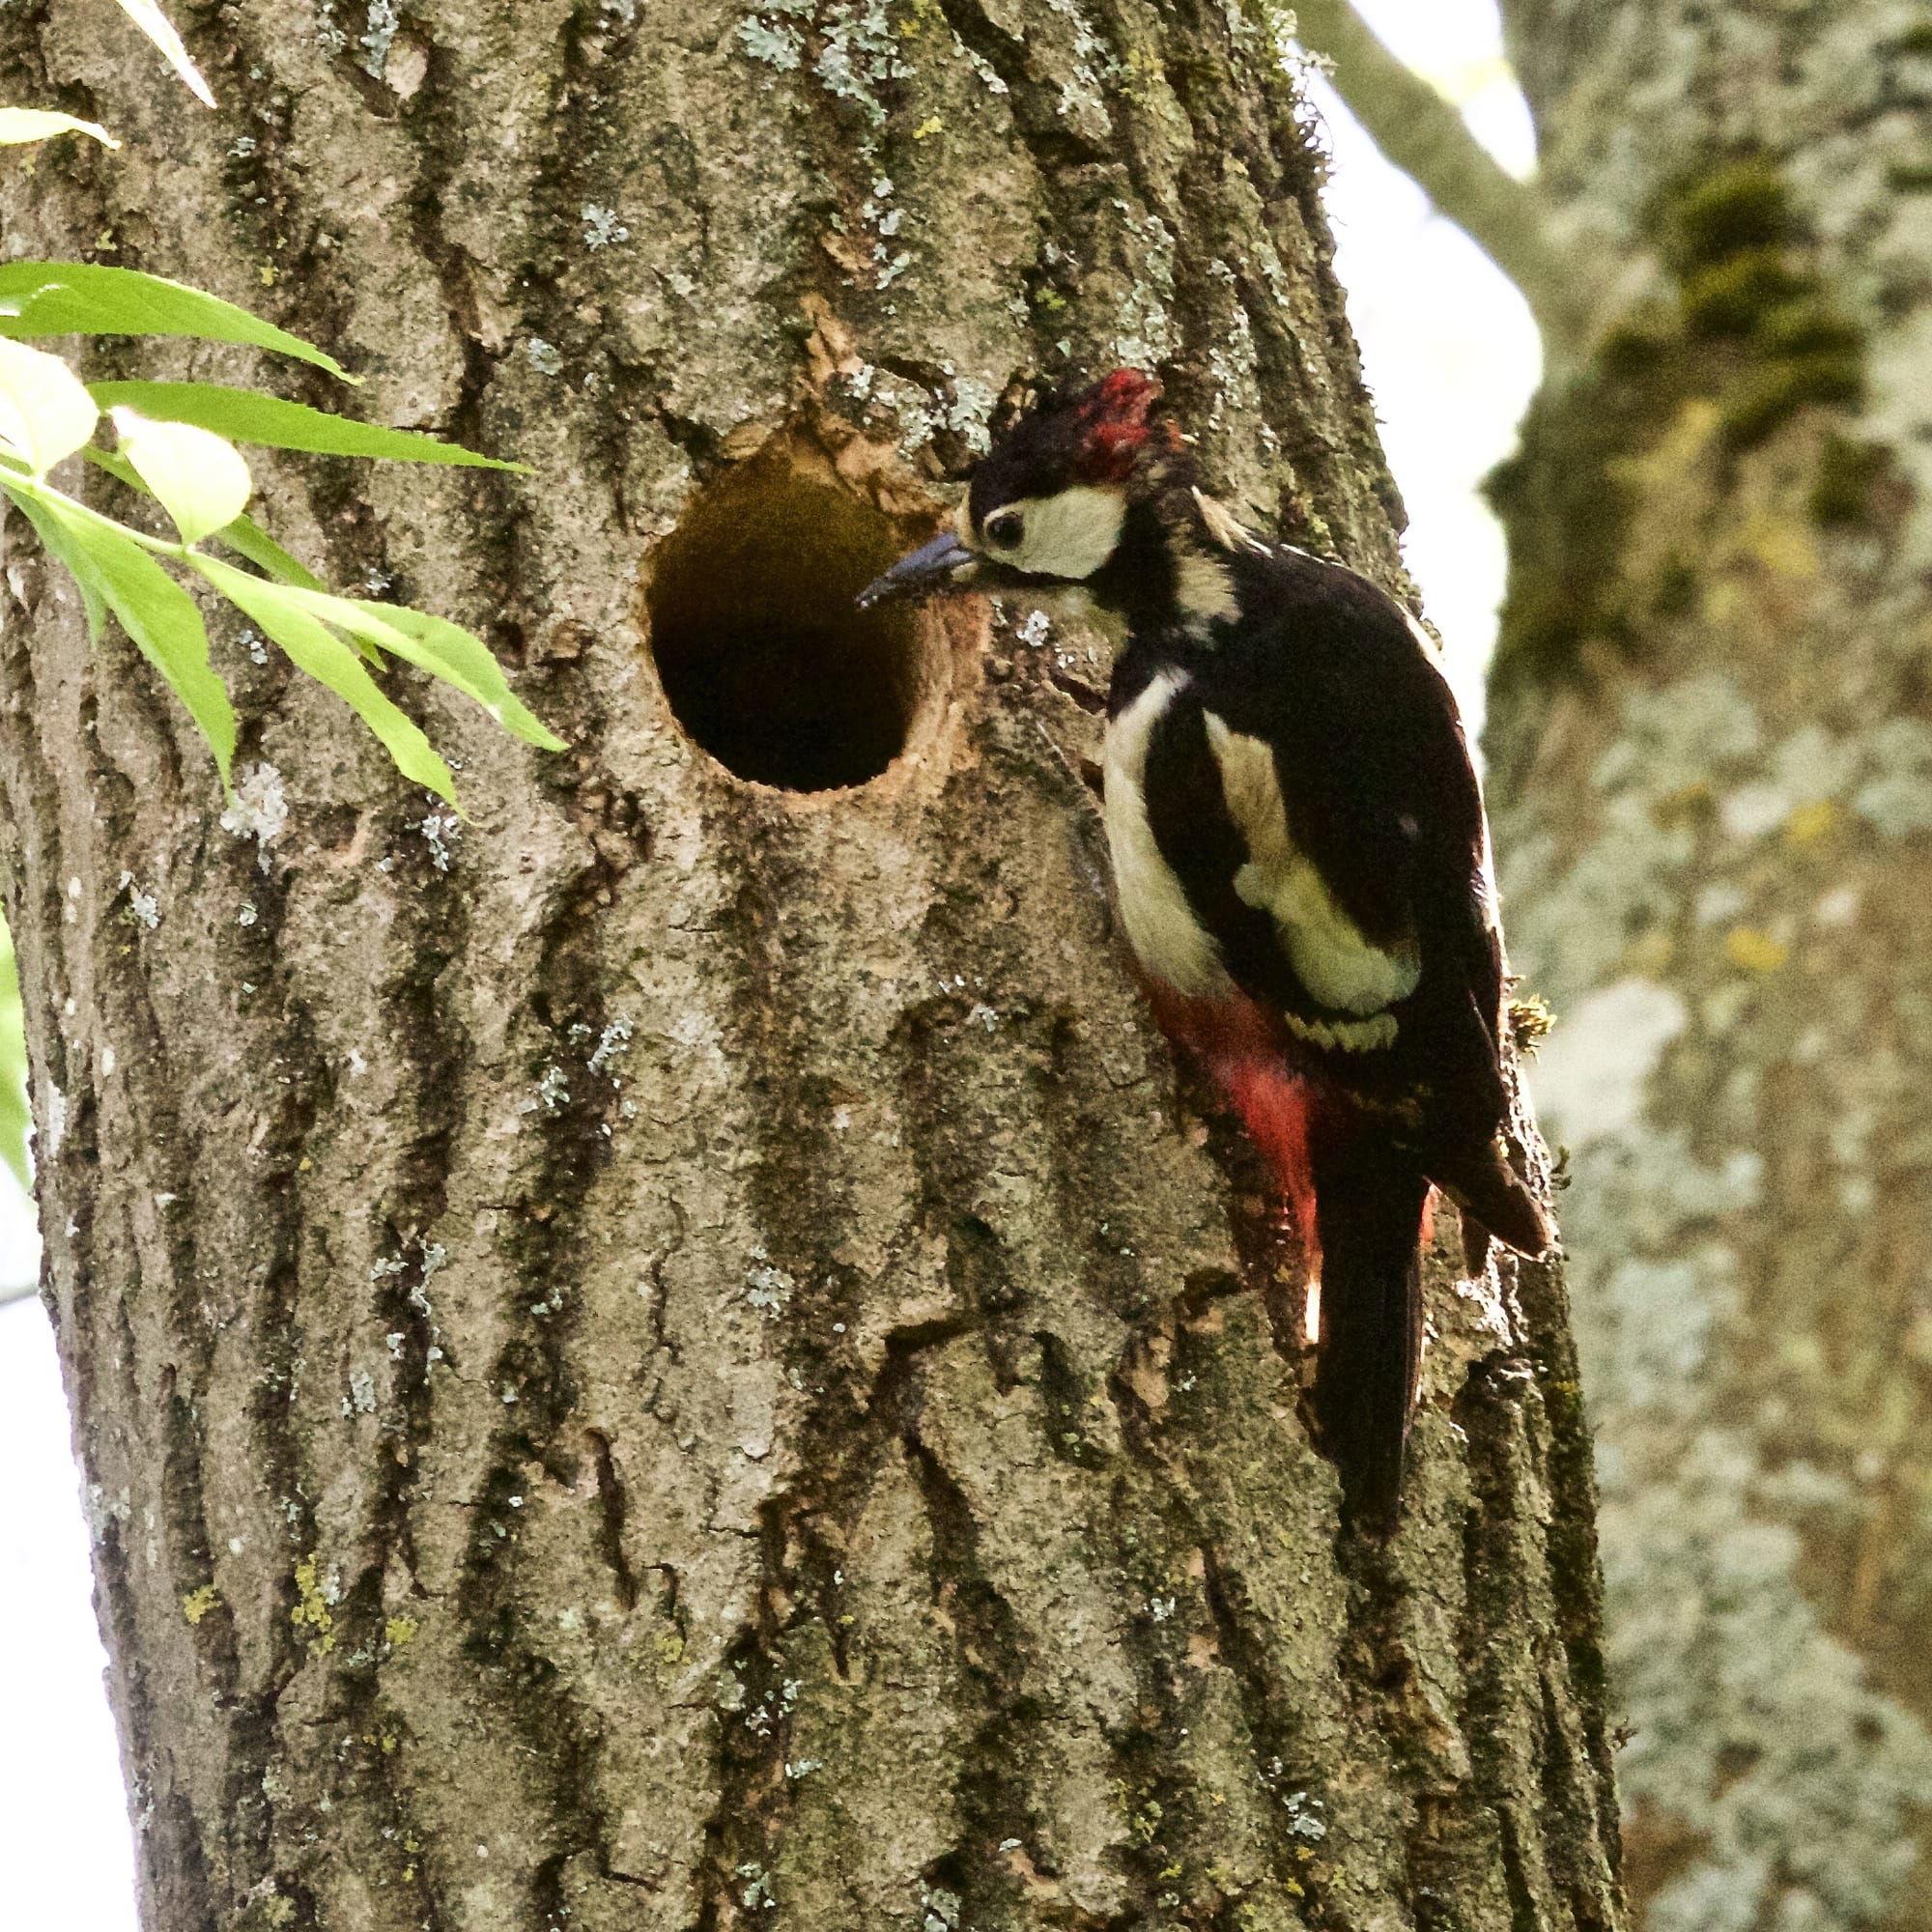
1369 1207
1358 1203
1492 1195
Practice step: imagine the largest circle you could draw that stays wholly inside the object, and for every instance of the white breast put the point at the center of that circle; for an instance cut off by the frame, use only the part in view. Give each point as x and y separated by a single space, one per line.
1329 951
1170 943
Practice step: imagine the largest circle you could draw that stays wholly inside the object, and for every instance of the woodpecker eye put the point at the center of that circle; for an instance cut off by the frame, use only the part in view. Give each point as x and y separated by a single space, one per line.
1003 530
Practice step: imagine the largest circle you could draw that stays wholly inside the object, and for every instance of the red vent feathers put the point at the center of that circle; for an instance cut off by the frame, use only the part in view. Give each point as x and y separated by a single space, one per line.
1116 411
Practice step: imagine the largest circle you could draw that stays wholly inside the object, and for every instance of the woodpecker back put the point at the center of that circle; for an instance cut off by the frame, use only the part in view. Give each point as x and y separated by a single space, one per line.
1300 861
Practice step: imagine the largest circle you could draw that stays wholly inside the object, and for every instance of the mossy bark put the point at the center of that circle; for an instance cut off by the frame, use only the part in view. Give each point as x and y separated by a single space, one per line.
676 1353
1710 762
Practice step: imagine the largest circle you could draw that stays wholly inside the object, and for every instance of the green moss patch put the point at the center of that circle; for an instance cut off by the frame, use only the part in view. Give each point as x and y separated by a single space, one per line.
1848 471
1733 209
1751 326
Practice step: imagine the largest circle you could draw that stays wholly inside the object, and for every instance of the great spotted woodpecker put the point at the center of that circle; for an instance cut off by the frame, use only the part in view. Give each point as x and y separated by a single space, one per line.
1301 864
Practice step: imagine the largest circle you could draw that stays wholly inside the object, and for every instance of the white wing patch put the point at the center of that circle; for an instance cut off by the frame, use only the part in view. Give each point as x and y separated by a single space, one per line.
1329 951
1167 939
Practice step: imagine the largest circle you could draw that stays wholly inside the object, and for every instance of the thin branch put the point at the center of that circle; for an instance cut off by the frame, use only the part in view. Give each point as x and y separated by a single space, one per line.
18 1290
1423 135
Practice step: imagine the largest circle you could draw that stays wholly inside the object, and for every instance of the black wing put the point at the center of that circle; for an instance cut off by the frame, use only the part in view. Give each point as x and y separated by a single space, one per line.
1374 781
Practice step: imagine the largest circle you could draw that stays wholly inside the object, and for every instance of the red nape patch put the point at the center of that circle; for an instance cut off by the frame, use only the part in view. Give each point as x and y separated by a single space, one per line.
1274 1107
1127 390
1117 409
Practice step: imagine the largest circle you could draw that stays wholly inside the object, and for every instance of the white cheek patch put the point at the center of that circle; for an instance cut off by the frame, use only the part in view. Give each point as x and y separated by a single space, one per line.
1324 946
1070 535
1170 943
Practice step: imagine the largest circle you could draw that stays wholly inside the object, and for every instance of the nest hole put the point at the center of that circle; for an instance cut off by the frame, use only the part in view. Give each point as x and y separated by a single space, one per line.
764 657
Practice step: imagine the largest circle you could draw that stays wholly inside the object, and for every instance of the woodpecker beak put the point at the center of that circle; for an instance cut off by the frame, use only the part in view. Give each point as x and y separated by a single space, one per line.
925 567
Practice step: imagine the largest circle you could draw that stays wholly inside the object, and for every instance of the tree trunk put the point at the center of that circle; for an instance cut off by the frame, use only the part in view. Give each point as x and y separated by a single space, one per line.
1712 759
671 1354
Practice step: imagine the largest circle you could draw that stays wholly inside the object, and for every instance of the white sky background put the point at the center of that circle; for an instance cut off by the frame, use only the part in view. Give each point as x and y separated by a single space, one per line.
1448 345
1452 357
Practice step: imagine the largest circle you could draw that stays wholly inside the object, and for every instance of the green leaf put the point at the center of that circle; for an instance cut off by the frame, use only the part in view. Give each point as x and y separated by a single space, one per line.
45 413
91 299
283 611
462 659
153 609
200 477
434 645
244 415
158 27
117 466
13 1116
247 538
18 124
245 535
54 539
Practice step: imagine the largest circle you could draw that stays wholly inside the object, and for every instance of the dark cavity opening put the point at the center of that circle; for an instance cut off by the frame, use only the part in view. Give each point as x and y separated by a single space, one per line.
765 658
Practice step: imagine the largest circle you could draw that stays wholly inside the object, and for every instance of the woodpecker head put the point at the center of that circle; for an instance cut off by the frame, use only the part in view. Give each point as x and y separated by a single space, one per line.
1050 502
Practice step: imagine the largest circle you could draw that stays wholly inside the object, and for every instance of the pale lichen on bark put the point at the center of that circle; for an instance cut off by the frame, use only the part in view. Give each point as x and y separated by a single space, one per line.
1713 775
678 1337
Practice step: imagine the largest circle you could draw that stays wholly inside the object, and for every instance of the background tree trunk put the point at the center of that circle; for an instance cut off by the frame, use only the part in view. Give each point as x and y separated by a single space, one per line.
670 1355
1712 767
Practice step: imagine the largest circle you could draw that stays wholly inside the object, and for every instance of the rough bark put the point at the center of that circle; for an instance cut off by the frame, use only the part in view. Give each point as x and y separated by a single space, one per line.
1711 763
677 1354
